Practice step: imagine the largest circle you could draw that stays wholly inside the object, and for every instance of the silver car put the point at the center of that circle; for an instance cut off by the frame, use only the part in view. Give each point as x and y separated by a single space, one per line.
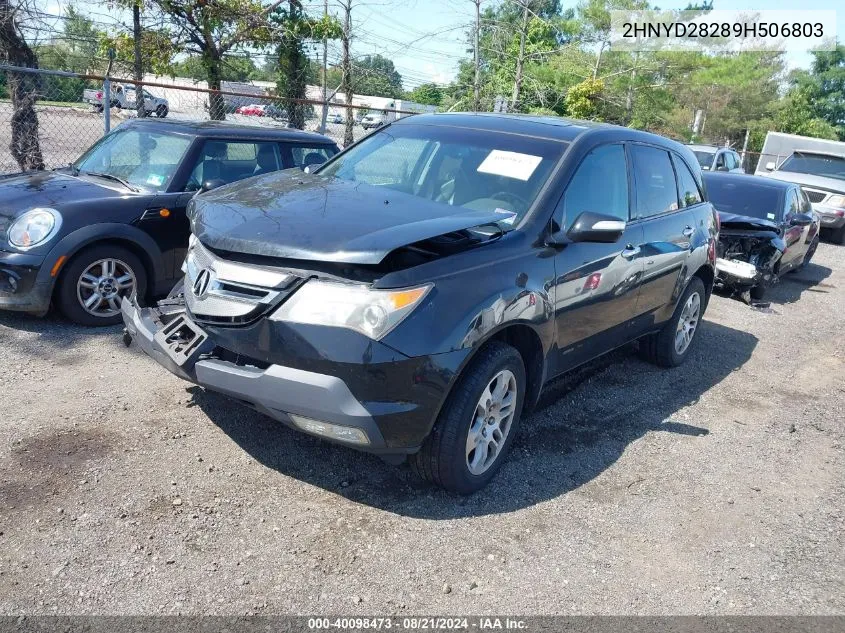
822 177
713 158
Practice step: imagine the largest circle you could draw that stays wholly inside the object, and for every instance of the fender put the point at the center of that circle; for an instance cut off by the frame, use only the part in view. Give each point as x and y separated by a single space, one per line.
74 242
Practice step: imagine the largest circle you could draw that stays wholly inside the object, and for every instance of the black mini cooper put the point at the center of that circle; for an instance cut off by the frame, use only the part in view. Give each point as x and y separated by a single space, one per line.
113 223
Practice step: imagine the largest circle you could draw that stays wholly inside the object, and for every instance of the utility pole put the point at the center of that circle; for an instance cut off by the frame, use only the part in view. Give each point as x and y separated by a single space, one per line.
520 60
139 67
476 84
348 137
325 73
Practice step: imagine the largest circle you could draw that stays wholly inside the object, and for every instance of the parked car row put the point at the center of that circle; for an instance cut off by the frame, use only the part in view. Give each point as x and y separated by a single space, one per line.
410 296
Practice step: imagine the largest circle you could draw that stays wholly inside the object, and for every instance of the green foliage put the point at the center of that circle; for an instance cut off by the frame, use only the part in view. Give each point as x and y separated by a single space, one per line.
372 75
427 94
581 100
795 115
824 87
157 51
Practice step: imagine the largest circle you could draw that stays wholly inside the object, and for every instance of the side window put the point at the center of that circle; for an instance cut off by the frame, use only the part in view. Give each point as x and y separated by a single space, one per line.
600 185
303 155
729 160
792 204
720 161
737 160
231 161
654 181
805 204
687 188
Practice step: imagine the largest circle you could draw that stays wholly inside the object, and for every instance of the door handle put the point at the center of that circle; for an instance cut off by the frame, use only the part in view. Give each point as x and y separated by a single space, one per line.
630 251
688 231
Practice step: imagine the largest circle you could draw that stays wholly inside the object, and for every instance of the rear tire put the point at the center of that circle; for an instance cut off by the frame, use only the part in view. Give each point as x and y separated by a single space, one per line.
666 348
73 288
476 426
161 111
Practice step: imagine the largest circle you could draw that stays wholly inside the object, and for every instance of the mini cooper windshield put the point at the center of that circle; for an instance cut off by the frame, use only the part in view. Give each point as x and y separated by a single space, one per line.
137 158
474 169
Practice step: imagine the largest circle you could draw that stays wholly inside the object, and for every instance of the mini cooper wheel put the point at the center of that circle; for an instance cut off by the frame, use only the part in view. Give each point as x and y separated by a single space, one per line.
477 425
94 283
671 345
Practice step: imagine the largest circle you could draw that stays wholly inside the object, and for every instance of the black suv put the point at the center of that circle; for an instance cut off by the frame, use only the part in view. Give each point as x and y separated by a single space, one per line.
413 295
113 223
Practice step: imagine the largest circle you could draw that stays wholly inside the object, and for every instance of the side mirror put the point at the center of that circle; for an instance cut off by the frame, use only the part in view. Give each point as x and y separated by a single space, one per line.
770 166
590 227
801 219
208 185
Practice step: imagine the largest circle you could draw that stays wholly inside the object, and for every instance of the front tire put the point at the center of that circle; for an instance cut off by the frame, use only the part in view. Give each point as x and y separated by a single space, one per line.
476 426
94 282
161 111
671 345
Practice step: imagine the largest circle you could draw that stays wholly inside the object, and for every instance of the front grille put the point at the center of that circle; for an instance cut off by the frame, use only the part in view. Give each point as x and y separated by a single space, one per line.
223 292
815 195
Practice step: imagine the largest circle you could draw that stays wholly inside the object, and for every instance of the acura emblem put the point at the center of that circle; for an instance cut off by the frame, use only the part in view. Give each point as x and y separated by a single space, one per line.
202 282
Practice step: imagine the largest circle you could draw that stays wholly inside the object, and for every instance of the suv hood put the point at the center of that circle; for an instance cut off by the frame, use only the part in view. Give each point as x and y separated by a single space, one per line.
310 217
822 182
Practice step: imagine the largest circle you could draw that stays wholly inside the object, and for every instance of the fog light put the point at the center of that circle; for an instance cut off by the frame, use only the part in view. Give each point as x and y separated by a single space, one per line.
349 434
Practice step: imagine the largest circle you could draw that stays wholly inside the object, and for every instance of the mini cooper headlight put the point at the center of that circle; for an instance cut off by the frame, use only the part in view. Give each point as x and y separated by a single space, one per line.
371 312
34 227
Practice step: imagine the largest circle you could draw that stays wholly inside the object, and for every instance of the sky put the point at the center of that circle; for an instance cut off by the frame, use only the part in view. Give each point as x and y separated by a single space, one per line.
426 39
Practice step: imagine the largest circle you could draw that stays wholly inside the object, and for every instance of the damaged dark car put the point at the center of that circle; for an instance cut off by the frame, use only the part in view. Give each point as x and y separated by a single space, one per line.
768 229
412 297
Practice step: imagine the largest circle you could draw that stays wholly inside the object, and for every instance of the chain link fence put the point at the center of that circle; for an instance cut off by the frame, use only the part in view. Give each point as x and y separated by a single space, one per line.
73 113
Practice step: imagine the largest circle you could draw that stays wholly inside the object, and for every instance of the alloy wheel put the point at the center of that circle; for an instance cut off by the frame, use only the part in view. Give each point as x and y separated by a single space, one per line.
491 422
102 284
687 323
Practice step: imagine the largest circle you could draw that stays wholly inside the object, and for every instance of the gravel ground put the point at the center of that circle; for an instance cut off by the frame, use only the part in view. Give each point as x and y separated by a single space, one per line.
714 488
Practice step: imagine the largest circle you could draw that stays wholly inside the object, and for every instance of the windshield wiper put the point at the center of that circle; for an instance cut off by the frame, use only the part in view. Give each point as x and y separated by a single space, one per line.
110 177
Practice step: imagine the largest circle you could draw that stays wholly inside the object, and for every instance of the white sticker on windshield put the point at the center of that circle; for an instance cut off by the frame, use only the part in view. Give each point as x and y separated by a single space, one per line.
510 164
509 220
771 216
155 180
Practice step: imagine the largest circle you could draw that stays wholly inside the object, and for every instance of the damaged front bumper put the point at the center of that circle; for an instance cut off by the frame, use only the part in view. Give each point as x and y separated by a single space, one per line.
315 403
739 275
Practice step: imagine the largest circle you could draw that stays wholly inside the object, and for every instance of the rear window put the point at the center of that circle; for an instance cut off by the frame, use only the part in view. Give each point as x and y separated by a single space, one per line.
742 198
474 169
816 164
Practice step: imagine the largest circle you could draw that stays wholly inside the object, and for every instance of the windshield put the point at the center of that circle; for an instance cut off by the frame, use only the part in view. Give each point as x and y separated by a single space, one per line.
143 159
474 169
815 164
756 201
705 158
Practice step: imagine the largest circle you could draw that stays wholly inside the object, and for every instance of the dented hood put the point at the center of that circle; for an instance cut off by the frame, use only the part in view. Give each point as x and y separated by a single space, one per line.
303 216
746 223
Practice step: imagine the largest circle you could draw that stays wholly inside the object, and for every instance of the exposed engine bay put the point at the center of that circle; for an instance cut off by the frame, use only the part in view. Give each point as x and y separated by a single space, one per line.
747 259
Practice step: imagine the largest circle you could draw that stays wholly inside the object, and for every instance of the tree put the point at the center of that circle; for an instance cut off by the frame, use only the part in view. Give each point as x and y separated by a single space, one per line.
377 76
824 87
23 89
72 49
427 94
213 29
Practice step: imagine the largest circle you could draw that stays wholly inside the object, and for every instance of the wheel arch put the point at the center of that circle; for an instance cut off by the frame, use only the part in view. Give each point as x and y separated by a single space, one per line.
707 275
133 239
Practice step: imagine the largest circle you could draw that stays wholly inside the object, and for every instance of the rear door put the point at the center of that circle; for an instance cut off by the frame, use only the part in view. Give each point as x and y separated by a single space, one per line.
668 227
595 287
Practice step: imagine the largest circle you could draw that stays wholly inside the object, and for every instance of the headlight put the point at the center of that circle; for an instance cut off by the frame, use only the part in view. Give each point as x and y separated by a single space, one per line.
34 227
836 201
371 312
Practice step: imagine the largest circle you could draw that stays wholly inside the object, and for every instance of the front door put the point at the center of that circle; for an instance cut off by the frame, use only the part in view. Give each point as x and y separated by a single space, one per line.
596 285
